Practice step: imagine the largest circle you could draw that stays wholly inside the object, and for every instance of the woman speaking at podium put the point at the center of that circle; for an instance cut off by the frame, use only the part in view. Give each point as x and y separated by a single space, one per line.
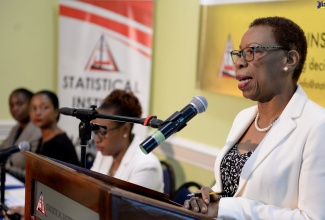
118 153
273 163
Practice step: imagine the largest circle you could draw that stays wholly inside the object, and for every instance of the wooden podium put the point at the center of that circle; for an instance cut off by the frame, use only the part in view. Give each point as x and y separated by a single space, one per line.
58 190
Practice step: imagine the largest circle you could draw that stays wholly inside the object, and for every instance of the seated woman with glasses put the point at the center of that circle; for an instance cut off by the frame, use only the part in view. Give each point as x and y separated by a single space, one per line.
272 165
118 153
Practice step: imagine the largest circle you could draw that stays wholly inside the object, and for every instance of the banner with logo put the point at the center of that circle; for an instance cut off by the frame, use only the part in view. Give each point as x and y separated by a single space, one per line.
224 22
103 45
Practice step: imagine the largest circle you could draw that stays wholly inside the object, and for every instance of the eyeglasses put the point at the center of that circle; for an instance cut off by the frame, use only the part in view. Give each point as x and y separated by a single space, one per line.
248 52
101 132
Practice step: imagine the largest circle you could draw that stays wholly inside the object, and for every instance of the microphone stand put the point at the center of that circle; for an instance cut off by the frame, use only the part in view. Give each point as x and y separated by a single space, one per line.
85 127
3 207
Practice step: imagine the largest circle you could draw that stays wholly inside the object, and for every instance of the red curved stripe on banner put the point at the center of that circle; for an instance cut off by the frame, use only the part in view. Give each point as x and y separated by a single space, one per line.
128 31
140 11
144 53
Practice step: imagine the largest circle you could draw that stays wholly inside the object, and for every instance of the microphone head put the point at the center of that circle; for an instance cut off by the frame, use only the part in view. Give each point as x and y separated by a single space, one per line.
200 103
24 146
67 111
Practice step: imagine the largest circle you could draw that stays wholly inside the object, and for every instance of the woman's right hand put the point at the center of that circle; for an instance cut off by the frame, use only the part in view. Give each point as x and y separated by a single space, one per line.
207 204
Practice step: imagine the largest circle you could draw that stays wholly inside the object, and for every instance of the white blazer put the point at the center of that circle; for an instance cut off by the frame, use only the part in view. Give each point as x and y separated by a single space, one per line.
285 176
136 167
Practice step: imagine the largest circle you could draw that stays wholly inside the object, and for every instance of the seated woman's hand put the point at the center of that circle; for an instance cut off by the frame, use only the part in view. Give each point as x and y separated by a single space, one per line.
15 212
207 204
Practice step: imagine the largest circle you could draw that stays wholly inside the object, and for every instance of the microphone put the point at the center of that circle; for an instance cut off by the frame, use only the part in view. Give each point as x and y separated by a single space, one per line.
151 121
78 112
174 123
22 146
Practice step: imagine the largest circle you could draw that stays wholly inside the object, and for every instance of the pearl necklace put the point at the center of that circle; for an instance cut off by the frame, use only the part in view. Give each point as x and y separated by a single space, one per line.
262 129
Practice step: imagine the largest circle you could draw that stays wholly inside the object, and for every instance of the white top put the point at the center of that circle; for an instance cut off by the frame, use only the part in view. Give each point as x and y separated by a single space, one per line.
284 178
136 167
14 191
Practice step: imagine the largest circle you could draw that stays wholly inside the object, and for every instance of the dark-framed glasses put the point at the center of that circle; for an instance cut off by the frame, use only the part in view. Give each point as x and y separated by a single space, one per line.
248 52
102 132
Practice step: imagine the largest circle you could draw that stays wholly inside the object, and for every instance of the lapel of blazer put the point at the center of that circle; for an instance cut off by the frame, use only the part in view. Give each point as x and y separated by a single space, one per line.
27 133
280 130
10 141
127 160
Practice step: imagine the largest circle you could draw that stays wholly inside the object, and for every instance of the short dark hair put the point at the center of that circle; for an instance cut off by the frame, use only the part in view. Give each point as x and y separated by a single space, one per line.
289 35
26 92
124 103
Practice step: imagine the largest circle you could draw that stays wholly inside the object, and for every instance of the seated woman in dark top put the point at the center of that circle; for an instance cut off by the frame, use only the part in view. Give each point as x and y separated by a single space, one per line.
44 113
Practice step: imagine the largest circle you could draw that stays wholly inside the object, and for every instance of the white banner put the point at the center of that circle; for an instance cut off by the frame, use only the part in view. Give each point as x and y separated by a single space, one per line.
103 45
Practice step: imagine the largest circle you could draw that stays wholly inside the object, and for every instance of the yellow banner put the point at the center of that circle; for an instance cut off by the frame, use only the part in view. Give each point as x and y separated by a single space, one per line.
222 27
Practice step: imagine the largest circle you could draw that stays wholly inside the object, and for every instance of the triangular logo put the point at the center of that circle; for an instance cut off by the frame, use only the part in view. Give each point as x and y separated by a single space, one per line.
227 67
101 59
40 205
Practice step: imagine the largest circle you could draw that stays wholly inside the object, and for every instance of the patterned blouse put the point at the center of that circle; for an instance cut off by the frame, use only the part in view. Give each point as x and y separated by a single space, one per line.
231 167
